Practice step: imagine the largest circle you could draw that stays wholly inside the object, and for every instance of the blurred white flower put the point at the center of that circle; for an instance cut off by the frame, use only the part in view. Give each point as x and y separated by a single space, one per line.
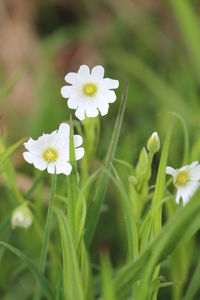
21 217
186 180
89 93
51 151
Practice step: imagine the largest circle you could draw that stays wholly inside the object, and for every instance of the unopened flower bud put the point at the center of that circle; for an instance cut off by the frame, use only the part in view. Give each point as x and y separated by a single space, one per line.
132 180
22 217
153 144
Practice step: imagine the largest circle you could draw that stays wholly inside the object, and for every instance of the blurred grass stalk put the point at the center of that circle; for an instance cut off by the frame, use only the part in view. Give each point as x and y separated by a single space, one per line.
188 23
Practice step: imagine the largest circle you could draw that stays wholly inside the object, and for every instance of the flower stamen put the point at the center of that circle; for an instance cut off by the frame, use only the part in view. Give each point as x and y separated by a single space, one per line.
50 154
89 89
182 178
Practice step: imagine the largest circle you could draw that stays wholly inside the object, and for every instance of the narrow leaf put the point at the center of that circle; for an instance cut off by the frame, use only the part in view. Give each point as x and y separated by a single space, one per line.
71 274
96 203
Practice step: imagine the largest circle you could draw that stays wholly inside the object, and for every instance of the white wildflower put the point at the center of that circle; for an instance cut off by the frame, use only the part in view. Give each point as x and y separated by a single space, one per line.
51 151
89 93
22 217
186 180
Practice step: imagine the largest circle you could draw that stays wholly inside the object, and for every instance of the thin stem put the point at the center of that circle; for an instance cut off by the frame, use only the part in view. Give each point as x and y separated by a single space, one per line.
43 256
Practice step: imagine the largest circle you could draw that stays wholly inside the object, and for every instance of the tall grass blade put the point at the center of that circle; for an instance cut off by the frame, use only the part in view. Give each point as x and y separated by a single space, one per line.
71 274
44 284
96 203
182 226
9 151
194 284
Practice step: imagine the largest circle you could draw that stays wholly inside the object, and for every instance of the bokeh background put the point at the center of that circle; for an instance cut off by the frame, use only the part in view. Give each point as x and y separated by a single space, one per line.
155 44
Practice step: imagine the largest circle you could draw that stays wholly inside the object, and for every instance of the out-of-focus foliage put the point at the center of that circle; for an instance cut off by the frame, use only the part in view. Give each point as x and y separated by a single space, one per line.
156 45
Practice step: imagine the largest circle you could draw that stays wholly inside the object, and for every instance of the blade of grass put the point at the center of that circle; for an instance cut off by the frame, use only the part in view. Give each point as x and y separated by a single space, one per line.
96 203
186 138
189 25
44 250
9 151
44 285
193 287
106 278
72 183
182 226
71 274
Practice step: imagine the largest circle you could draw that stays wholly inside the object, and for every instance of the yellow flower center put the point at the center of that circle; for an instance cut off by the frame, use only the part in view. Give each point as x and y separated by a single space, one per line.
89 89
181 178
50 154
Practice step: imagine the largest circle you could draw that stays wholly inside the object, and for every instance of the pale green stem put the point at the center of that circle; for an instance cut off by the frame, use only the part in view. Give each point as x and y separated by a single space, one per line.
43 256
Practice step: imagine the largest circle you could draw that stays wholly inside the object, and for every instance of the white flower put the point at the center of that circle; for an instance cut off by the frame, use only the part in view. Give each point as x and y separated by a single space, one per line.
186 180
51 151
89 93
22 217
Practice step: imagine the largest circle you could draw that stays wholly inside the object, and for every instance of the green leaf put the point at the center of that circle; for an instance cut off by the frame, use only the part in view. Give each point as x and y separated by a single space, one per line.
193 287
106 278
129 218
71 274
5 224
160 183
182 226
186 138
96 203
72 183
9 151
45 286
189 25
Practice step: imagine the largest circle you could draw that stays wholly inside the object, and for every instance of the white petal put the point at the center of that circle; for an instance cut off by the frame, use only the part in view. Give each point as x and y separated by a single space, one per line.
79 153
109 83
29 157
193 164
80 113
84 71
91 111
103 108
63 167
40 164
194 174
64 129
36 146
171 171
67 91
73 102
71 78
110 96
98 72
51 168
78 140
178 195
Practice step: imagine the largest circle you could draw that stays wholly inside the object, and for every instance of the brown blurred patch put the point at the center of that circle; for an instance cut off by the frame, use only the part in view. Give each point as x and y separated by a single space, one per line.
77 53
17 53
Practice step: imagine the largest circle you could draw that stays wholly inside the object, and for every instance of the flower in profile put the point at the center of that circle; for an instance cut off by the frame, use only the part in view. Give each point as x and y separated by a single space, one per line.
51 151
22 217
186 180
89 93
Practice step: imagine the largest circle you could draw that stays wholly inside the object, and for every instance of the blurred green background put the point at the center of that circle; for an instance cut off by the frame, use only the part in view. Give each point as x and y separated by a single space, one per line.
155 44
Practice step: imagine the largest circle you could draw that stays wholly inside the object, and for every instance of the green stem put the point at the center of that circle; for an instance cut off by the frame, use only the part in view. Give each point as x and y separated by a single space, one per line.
43 256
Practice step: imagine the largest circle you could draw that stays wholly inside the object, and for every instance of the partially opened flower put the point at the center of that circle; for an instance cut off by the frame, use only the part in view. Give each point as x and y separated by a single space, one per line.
89 93
51 151
186 180
22 217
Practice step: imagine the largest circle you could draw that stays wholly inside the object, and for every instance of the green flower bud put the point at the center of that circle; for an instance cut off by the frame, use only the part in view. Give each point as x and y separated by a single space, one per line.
22 217
153 144
132 180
